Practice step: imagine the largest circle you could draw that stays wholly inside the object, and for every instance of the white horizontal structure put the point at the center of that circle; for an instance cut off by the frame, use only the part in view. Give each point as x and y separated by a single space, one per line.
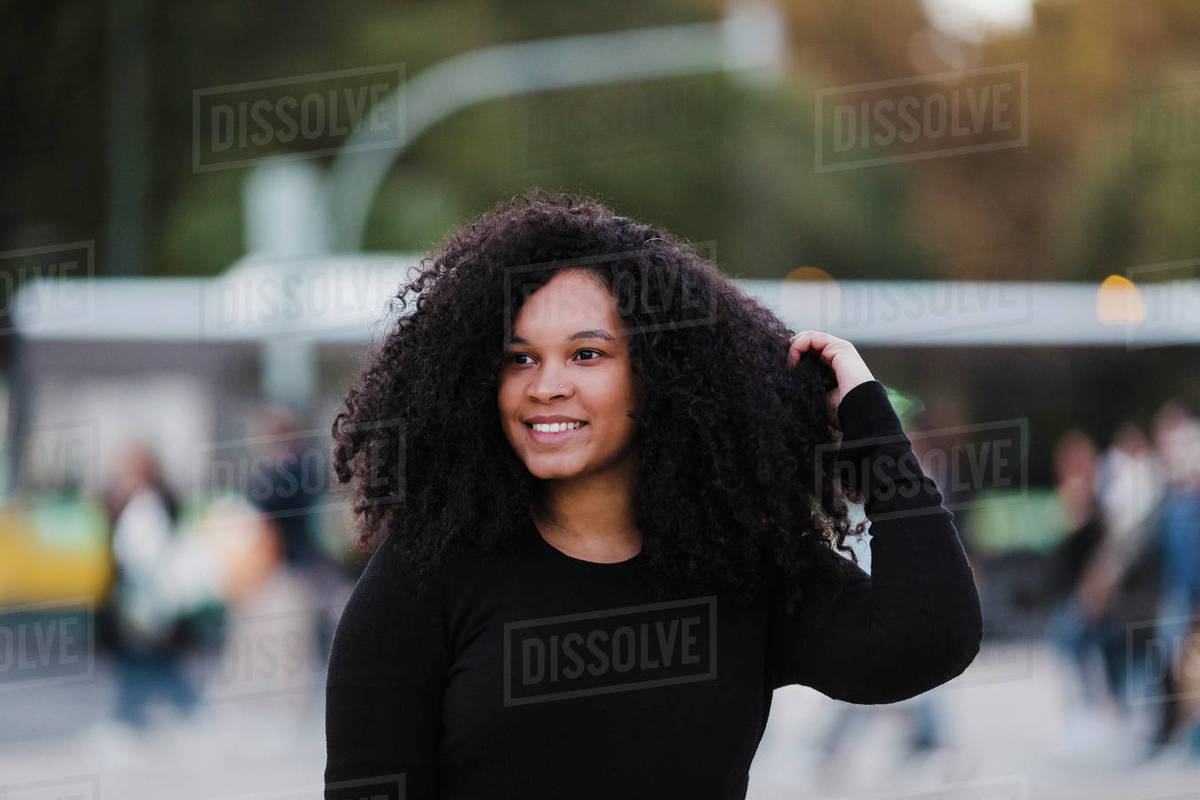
345 299
326 298
937 313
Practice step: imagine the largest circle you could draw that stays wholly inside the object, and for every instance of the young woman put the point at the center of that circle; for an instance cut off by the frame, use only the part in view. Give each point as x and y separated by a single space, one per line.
607 492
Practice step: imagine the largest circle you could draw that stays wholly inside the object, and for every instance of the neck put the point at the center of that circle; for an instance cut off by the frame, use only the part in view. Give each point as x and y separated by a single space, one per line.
590 517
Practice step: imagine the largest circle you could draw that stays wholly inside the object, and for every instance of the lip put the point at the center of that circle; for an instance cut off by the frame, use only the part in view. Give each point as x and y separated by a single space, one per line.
541 437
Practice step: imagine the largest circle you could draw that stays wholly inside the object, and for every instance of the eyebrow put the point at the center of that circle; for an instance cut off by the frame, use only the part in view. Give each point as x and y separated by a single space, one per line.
594 333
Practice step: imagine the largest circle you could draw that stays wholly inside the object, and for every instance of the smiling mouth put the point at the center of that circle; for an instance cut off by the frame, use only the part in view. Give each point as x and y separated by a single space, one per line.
554 427
554 431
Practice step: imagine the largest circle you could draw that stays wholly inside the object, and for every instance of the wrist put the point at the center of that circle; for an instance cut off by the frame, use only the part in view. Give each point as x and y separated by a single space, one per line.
854 382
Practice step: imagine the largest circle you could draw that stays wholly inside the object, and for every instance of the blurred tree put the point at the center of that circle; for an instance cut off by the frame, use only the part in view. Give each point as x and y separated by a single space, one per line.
716 159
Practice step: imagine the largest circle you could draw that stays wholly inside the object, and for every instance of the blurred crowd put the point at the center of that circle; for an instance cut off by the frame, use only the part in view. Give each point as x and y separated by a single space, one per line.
181 588
1126 582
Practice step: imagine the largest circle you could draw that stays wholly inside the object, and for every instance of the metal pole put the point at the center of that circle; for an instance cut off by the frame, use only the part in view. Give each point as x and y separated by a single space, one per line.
750 38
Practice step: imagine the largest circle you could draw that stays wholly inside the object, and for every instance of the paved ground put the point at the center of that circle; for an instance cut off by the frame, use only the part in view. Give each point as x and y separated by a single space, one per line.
263 740
1006 738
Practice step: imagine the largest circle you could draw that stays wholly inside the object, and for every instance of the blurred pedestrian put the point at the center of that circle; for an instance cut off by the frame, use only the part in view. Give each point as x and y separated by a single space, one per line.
1108 567
1073 632
1076 464
1123 580
290 477
1177 441
148 630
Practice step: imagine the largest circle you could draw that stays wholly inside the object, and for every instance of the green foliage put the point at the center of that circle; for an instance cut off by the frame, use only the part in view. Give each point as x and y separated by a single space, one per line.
712 158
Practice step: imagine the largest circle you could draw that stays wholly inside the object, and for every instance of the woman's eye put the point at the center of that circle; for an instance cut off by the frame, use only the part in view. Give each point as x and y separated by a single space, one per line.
515 358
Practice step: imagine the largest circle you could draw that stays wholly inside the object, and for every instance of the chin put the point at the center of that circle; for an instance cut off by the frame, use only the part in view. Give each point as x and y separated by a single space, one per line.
546 469
547 473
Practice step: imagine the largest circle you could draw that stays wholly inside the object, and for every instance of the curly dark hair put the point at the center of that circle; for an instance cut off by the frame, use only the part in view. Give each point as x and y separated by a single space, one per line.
734 476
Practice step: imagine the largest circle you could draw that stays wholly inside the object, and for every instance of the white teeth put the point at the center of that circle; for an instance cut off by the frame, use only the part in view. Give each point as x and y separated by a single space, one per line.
555 427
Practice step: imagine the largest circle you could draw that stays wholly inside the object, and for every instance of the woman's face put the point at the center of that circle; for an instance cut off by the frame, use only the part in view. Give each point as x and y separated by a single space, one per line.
568 361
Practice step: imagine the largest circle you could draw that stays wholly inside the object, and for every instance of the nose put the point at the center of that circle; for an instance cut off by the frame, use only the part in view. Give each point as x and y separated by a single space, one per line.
548 386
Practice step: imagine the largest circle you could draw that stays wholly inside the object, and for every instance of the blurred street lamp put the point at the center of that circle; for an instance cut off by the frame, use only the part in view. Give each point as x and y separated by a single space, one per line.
286 232
750 41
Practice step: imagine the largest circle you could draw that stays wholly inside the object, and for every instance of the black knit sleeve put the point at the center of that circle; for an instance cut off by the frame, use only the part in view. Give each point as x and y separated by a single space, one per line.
387 672
914 622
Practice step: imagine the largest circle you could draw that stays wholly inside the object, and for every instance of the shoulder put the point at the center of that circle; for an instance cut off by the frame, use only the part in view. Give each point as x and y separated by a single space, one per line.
393 583
391 591
389 576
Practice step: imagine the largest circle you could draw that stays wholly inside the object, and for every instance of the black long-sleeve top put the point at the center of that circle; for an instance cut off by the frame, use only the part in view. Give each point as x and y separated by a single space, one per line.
544 676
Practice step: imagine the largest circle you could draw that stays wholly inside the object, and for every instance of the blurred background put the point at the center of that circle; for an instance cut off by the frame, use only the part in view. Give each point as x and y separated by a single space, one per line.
206 207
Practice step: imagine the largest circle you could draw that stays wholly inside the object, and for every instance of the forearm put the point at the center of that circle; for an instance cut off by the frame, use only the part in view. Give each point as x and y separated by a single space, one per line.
915 622
922 612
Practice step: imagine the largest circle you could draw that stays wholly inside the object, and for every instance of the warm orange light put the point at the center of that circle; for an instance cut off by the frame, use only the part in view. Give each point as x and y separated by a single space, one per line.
1118 301
810 298
808 274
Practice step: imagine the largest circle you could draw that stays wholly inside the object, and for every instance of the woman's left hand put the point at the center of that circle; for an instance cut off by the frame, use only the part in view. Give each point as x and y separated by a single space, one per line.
848 366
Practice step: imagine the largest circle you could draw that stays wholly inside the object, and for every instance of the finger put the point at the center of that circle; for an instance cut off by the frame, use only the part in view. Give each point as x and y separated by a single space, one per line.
816 340
806 339
800 343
